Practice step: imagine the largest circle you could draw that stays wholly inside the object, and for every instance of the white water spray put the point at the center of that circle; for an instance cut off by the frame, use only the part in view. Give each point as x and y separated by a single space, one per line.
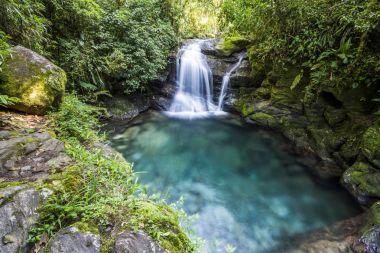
194 78
226 82
194 97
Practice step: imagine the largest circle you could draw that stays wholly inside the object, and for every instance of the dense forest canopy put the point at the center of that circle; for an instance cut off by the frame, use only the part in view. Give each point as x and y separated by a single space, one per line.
102 44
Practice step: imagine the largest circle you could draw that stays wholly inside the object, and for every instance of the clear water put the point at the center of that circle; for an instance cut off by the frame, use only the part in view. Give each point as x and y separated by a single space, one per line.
249 193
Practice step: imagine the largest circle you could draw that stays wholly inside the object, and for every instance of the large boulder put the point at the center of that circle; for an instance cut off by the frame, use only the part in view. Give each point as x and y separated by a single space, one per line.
18 213
72 240
38 83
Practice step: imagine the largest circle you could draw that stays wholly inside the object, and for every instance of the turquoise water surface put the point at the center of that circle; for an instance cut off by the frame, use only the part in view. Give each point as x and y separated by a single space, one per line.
250 194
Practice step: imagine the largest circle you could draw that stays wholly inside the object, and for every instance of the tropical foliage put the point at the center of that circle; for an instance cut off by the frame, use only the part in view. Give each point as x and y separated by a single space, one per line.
336 42
101 44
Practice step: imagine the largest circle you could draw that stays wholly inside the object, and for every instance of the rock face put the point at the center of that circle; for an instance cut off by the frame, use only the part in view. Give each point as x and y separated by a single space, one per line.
18 212
71 240
126 107
136 242
334 135
30 157
38 83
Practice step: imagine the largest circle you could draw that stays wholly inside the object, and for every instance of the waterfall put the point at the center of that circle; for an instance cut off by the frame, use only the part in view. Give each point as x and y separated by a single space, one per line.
226 82
194 97
194 79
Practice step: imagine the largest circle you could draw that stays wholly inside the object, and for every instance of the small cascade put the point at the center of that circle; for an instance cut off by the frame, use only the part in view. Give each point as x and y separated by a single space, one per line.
226 82
194 79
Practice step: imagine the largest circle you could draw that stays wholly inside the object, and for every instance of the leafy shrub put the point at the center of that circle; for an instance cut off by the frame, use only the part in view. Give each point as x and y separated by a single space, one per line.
6 101
76 119
24 22
336 42
100 43
4 47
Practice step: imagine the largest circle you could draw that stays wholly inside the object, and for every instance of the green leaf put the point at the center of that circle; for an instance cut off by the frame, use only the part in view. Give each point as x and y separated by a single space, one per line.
296 80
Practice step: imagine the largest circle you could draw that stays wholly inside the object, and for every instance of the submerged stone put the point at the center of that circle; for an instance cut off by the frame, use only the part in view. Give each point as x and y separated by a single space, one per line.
38 83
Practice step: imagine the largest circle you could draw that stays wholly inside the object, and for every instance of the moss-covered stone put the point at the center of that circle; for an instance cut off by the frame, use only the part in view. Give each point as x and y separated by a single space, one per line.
264 119
86 227
162 223
232 44
371 231
370 144
363 182
37 82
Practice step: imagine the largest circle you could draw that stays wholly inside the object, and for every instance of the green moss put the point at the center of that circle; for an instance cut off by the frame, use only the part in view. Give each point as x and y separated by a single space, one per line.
364 180
232 44
4 185
264 119
370 232
374 217
37 84
107 243
370 144
86 227
161 222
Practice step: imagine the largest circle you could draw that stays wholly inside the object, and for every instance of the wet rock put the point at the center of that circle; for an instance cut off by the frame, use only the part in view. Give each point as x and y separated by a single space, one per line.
38 83
363 181
18 213
136 242
242 76
72 240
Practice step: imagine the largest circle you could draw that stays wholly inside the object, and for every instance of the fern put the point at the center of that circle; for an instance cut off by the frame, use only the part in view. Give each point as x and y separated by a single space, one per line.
6 101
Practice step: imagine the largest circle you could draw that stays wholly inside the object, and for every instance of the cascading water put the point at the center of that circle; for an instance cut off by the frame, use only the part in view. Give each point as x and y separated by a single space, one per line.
194 97
194 78
226 82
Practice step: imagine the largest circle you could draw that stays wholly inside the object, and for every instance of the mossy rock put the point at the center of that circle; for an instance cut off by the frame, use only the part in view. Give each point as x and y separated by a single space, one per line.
371 231
232 44
370 144
38 83
264 119
162 223
363 181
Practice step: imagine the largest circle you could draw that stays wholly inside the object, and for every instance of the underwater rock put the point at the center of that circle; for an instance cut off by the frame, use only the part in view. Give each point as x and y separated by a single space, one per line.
35 81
